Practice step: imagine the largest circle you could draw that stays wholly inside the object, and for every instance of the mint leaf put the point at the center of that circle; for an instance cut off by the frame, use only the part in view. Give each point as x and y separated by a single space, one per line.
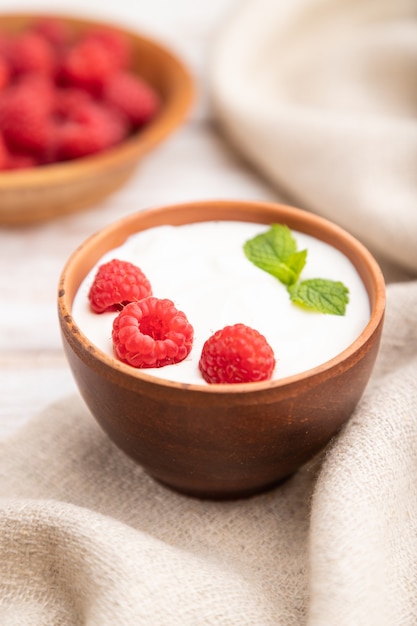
296 261
281 240
275 252
322 295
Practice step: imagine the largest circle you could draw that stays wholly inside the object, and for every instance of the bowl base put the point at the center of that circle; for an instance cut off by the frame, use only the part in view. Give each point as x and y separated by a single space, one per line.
222 495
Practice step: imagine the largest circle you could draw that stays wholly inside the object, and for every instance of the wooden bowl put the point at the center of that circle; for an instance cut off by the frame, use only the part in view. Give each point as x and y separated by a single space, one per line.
39 194
220 441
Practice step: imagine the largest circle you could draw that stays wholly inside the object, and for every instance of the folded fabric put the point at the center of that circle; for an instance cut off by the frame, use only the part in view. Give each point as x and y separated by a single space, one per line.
88 538
320 96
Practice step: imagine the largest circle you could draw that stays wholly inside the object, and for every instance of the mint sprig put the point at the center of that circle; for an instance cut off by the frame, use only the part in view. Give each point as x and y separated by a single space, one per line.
275 252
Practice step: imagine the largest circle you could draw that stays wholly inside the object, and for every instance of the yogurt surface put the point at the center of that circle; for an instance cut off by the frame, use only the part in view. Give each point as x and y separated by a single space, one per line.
202 268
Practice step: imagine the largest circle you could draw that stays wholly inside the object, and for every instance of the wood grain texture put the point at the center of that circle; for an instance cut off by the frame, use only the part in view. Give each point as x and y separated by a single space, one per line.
220 441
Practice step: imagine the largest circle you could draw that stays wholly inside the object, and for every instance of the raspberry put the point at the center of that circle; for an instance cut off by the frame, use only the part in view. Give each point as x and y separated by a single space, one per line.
15 160
4 156
151 333
30 52
90 128
68 101
24 118
236 354
131 96
39 87
114 42
117 283
54 30
88 65
5 40
20 161
4 73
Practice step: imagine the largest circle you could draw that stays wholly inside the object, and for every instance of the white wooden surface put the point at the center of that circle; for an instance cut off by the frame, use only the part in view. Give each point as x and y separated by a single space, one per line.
194 163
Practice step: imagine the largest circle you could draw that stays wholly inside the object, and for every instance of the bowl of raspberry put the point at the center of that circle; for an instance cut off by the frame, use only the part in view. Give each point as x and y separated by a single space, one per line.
221 344
81 103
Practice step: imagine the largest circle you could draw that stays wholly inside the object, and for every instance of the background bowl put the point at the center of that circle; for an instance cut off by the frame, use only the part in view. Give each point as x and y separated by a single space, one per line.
220 441
38 194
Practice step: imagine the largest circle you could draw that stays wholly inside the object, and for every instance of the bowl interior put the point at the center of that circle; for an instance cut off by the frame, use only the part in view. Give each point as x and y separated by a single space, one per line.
89 253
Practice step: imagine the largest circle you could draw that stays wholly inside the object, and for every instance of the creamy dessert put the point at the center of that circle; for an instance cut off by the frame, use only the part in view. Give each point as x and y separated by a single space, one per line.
203 269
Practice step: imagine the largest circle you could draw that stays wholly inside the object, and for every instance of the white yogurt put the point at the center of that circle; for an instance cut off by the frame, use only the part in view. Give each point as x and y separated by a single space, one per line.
202 268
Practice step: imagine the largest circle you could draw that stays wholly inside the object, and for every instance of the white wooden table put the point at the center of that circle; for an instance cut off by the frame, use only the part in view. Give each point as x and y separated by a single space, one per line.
195 163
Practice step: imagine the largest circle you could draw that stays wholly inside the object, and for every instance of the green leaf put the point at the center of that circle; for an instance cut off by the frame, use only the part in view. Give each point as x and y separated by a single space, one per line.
319 294
275 252
296 262
281 240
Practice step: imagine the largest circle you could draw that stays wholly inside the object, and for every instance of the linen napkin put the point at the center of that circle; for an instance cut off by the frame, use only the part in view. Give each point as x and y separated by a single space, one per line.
87 538
321 97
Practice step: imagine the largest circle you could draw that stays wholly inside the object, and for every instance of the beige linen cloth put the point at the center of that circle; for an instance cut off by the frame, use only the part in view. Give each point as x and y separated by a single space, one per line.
87 538
321 96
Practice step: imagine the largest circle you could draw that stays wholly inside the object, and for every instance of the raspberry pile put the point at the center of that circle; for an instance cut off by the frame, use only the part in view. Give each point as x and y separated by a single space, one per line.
65 96
236 354
148 331
152 332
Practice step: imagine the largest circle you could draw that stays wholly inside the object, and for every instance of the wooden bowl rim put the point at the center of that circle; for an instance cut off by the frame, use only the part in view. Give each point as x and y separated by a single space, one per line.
171 115
342 360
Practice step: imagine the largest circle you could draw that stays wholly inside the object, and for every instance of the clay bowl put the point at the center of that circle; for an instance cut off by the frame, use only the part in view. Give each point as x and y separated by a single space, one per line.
47 192
220 441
